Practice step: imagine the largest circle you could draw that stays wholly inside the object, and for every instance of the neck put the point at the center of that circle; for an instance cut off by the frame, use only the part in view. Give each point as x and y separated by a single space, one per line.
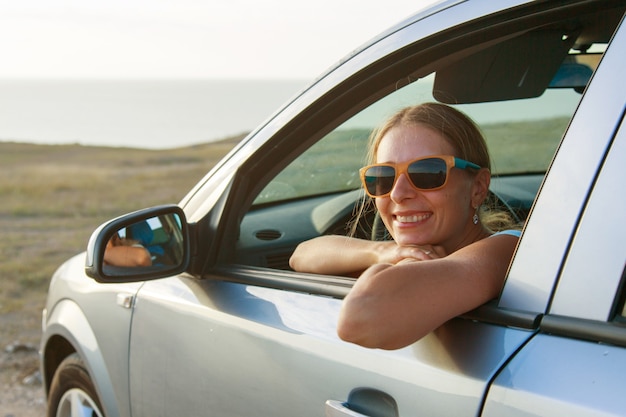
473 233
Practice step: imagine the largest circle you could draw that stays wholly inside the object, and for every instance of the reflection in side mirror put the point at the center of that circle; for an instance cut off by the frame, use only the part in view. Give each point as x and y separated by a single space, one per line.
155 241
144 245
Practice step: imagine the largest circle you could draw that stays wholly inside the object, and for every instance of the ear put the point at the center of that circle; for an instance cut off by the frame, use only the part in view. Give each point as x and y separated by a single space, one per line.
480 187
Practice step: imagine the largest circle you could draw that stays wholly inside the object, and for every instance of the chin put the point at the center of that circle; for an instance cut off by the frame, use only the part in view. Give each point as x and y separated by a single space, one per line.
407 240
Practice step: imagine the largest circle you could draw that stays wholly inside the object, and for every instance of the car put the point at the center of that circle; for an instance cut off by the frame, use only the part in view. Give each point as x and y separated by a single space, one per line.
220 325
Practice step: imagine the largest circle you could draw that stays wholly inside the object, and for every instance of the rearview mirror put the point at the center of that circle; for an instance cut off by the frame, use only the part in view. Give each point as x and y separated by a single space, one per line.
147 244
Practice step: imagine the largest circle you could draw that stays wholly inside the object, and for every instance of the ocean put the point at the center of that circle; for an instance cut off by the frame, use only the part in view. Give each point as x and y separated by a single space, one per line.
169 113
155 114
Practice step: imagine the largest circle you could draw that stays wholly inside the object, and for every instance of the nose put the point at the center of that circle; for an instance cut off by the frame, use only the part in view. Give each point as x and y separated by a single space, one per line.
402 189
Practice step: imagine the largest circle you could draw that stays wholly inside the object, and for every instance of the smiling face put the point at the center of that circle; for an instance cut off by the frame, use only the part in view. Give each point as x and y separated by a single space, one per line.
441 217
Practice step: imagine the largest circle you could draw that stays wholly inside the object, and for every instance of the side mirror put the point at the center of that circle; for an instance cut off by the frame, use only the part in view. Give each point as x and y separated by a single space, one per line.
147 244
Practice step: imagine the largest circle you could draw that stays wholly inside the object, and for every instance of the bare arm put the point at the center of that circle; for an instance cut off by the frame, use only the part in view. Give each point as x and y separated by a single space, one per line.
392 306
131 256
341 255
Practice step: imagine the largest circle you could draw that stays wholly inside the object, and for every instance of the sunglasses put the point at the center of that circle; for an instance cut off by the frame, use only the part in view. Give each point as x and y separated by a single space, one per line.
427 173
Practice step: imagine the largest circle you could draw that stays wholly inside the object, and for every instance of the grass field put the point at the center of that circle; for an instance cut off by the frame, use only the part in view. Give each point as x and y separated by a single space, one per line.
53 197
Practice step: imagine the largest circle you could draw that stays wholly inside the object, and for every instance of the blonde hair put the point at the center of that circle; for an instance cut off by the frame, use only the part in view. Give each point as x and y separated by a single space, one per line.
465 137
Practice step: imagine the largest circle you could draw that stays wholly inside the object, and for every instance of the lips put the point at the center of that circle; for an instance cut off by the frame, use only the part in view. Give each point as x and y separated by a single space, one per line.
413 218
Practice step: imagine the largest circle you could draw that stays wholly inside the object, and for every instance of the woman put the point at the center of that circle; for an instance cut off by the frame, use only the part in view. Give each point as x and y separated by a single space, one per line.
429 181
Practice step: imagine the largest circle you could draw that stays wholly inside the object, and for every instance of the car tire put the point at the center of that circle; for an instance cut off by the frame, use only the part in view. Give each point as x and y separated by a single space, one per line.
72 392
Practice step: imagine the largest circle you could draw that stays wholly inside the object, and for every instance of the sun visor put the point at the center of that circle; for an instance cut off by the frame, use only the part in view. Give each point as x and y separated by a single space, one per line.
521 67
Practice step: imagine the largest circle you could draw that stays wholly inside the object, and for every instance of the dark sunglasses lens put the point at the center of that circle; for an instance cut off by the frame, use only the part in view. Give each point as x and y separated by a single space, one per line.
379 180
428 173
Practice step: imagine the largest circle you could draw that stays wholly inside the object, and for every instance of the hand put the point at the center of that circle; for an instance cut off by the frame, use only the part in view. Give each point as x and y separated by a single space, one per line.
391 253
418 253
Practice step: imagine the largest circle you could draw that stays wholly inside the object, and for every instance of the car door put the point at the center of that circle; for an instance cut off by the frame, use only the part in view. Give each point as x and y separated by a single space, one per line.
575 365
234 349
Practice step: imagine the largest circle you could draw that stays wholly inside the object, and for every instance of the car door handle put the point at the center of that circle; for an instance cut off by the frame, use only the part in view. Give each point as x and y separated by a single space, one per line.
363 402
339 409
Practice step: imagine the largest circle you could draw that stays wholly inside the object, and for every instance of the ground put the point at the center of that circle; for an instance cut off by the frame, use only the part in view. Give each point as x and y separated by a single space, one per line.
20 382
21 390
52 200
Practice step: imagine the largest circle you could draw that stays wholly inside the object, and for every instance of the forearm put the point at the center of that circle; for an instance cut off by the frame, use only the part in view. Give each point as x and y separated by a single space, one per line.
336 255
370 315
393 306
127 256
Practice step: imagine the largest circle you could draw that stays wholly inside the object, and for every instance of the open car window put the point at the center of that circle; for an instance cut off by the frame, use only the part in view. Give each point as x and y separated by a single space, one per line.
522 136
319 191
521 90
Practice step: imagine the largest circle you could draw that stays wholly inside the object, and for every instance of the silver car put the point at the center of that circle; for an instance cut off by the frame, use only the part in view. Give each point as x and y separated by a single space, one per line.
219 325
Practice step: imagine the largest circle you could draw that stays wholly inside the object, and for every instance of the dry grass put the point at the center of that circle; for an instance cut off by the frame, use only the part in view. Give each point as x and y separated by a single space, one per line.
53 197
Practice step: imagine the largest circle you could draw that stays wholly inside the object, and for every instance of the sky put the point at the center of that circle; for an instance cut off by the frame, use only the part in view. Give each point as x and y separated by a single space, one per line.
255 39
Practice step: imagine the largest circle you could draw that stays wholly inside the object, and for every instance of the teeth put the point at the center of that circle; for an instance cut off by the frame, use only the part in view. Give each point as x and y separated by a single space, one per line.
412 219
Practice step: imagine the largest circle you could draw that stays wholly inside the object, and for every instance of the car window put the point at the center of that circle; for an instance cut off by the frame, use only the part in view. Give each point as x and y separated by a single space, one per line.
317 191
329 166
522 136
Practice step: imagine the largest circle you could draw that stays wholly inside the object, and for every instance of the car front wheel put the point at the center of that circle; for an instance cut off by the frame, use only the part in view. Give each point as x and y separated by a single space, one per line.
72 393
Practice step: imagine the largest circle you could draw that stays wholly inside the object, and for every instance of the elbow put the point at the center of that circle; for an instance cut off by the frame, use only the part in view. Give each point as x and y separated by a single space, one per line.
352 325
365 322
294 261
145 262
352 332
143 259
357 326
368 337
302 261
354 335
298 259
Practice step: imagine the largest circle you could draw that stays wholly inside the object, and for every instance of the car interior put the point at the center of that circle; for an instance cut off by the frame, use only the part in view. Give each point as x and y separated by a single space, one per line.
521 88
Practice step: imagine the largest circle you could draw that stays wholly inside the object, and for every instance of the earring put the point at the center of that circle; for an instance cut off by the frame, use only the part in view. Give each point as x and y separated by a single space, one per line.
475 217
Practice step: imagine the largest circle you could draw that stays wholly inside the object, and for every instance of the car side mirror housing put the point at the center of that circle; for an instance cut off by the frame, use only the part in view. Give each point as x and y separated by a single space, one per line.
143 245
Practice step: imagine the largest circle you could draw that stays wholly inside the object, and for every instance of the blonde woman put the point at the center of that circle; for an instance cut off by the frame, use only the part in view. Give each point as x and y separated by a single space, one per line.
429 178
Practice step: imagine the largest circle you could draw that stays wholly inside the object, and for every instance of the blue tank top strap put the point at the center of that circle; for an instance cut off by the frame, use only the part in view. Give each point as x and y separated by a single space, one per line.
511 232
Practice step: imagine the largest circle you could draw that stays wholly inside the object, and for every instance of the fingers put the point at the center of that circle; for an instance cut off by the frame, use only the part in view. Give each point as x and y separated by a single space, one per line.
418 253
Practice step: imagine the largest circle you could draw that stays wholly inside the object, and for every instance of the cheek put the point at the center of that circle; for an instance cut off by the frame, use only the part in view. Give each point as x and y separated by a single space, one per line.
381 205
456 203
459 189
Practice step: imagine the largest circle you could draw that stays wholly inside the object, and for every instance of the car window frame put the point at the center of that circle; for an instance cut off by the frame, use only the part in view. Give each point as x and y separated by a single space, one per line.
276 144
